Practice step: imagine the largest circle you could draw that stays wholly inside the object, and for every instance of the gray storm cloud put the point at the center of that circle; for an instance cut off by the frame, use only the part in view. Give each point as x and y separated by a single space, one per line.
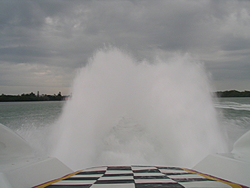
51 40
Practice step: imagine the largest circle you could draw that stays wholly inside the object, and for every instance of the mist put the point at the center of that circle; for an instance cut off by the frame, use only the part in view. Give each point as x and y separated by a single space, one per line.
125 112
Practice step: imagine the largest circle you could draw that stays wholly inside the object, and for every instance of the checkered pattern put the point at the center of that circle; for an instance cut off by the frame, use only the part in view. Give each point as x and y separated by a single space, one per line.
136 177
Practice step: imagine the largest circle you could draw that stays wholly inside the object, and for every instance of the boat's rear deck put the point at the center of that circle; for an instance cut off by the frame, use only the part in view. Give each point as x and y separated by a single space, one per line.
137 177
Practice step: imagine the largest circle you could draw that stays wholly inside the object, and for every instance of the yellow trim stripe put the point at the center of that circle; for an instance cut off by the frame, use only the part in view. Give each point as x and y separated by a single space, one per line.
56 180
233 185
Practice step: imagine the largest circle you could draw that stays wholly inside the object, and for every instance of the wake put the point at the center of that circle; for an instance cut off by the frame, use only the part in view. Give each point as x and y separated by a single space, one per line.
126 112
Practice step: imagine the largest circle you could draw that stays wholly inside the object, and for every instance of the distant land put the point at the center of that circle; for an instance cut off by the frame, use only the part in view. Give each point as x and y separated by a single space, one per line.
32 97
233 93
59 97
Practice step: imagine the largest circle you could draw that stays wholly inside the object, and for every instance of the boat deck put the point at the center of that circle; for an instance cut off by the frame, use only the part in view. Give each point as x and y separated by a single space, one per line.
137 177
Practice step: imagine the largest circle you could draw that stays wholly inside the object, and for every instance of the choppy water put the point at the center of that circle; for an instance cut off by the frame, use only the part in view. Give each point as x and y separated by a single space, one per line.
31 120
235 116
18 115
25 116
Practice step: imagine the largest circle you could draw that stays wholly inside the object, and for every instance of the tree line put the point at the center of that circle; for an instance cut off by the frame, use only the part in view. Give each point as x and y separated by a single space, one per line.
32 97
233 93
59 97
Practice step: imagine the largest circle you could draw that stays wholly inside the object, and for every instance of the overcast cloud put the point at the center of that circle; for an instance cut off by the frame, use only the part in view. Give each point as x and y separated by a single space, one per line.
44 42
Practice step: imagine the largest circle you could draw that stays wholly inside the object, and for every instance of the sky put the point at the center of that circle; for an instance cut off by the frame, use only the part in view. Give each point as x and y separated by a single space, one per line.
44 43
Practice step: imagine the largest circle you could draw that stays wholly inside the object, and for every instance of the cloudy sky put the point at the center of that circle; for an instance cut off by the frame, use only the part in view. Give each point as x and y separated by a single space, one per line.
44 42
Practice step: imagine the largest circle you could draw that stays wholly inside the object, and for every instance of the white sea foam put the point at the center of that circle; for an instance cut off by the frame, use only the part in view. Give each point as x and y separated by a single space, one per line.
233 105
128 112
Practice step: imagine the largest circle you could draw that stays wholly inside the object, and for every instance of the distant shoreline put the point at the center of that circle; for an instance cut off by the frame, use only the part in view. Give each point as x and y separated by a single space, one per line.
232 93
31 97
44 97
